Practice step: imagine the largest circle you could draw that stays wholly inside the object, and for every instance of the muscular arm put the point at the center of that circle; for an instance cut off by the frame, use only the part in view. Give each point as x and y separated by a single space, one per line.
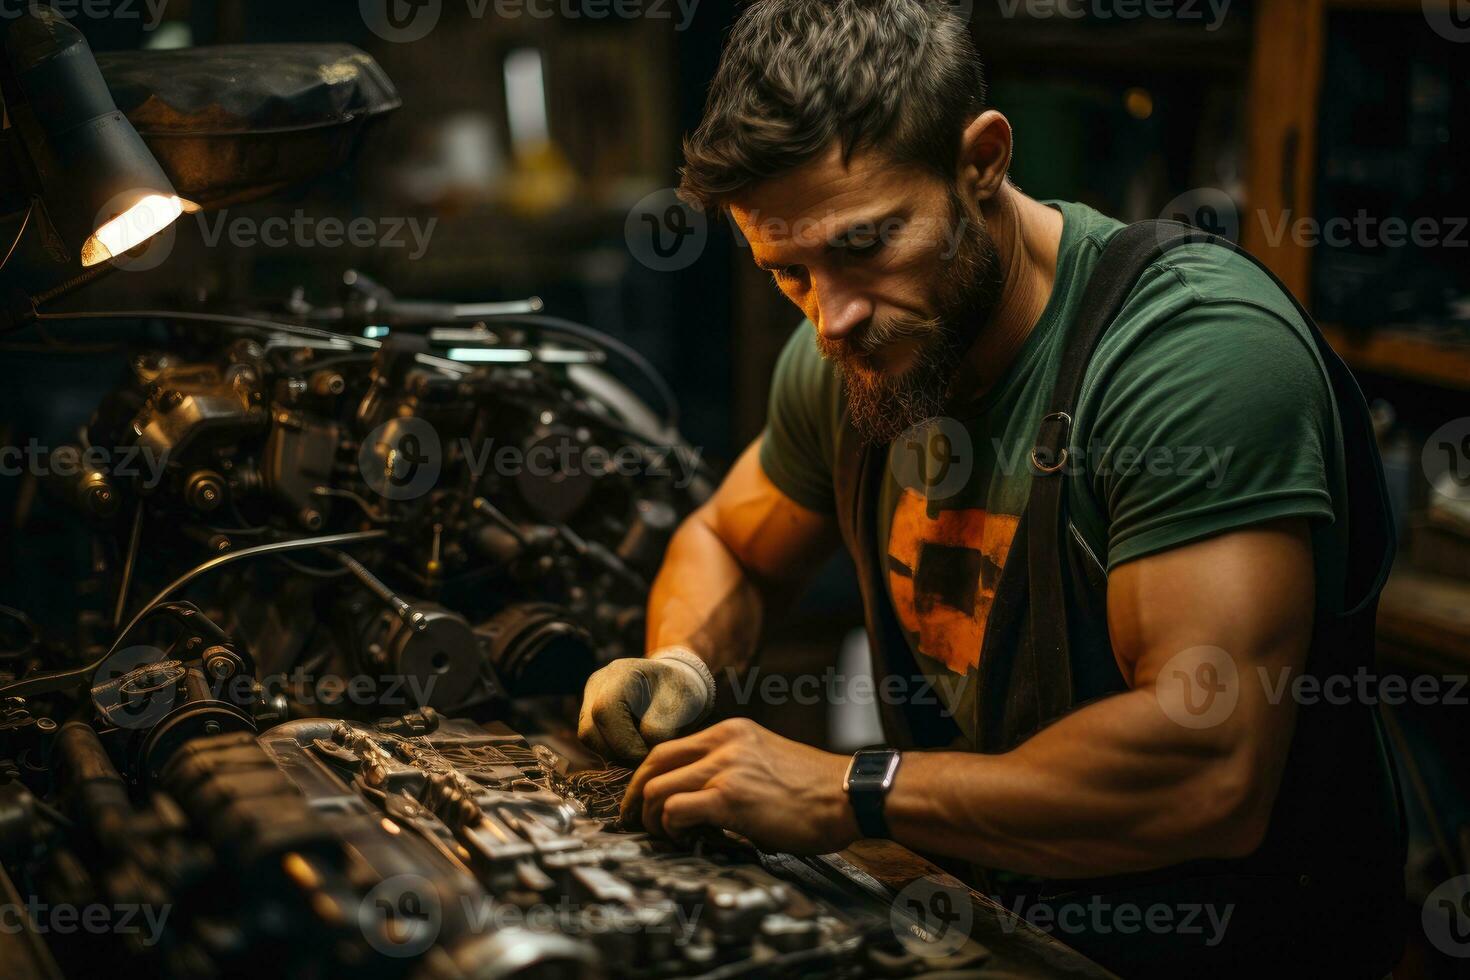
731 562
1147 778
1162 773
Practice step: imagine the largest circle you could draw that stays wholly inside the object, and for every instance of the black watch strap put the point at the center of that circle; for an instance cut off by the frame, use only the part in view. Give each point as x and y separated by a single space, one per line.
869 777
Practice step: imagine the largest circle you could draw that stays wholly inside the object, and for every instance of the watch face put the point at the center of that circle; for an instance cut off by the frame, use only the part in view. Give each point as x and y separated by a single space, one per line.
871 765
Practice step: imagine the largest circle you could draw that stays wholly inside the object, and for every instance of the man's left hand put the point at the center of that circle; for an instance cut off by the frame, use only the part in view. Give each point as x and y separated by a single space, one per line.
779 794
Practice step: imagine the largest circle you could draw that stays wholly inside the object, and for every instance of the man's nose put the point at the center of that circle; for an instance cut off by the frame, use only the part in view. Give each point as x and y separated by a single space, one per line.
842 309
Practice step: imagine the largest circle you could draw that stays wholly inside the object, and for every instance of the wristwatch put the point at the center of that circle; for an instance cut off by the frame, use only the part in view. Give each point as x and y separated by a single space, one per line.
869 777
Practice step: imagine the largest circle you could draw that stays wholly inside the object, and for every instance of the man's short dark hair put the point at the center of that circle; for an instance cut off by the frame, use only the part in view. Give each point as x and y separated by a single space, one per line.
901 75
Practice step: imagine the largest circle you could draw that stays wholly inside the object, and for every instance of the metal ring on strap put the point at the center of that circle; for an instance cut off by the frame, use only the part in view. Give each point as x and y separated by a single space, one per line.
1063 455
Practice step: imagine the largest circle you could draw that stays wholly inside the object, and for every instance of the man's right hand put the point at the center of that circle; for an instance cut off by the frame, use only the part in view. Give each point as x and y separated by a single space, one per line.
634 703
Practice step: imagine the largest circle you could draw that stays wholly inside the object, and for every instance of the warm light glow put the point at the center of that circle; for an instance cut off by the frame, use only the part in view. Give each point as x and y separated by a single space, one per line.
150 215
1139 103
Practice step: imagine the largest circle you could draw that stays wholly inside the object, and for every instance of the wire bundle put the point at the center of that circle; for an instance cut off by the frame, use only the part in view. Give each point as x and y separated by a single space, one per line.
599 790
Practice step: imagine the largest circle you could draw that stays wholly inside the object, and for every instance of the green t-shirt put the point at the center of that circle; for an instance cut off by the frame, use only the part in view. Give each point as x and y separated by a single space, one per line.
1206 408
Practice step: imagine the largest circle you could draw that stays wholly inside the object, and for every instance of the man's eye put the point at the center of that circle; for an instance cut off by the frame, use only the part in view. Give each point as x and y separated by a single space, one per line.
789 273
864 248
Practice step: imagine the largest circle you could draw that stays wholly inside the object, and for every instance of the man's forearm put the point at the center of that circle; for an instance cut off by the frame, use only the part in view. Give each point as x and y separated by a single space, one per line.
703 599
1112 788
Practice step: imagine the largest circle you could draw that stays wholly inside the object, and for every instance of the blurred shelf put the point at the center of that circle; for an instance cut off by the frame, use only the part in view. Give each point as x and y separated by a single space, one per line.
1402 354
1127 46
1424 620
1387 6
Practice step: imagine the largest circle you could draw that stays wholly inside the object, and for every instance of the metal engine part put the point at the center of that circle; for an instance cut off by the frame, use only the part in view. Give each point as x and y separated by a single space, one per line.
520 510
430 849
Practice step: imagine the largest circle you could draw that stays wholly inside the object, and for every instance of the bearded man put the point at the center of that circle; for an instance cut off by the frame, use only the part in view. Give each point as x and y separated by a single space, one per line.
1110 497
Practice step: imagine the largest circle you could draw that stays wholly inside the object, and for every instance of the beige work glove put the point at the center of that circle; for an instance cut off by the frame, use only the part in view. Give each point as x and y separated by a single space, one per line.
634 703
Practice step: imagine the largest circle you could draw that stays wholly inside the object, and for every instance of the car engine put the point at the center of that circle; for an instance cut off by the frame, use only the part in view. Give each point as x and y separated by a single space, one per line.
455 532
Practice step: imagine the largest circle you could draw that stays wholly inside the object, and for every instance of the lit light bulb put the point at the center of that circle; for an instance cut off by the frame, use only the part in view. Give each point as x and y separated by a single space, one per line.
146 218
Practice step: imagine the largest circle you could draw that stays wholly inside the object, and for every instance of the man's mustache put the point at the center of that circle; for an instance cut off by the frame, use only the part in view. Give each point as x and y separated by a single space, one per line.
878 336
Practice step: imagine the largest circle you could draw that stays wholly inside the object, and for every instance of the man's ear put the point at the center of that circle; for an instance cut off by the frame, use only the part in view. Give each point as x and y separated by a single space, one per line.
985 156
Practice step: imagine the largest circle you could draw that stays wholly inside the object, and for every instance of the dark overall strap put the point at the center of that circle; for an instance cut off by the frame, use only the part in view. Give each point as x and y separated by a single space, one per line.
1128 253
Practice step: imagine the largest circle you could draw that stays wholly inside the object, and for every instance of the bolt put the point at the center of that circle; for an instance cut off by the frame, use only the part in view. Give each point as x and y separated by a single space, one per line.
100 501
328 383
211 728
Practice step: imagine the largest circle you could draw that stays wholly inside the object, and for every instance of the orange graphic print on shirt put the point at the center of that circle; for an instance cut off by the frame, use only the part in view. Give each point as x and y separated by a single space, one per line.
942 573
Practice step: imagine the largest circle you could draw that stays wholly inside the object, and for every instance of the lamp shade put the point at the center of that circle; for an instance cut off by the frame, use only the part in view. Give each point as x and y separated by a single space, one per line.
102 189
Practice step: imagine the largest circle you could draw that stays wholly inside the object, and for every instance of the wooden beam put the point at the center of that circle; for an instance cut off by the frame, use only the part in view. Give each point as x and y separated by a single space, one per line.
1281 143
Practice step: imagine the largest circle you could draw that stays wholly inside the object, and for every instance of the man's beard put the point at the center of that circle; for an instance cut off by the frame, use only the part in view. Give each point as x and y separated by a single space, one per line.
880 407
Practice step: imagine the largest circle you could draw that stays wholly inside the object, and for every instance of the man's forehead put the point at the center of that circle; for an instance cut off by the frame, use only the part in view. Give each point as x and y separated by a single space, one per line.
823 197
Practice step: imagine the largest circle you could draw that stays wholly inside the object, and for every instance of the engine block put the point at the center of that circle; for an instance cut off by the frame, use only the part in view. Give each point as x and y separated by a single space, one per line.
429 848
